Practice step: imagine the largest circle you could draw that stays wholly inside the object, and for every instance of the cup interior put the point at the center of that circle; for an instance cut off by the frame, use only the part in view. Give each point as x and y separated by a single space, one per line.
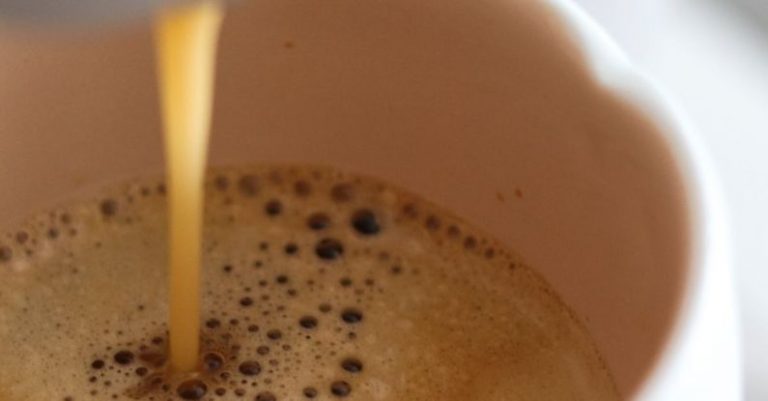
485 107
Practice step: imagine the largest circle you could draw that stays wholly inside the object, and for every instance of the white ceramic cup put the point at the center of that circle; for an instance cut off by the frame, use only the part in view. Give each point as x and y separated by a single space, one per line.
520 116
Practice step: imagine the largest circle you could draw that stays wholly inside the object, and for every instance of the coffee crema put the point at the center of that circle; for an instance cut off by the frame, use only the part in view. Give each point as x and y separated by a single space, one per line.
317 284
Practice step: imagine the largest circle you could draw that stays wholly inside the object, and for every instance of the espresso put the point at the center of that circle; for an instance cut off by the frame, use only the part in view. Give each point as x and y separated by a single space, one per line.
316 284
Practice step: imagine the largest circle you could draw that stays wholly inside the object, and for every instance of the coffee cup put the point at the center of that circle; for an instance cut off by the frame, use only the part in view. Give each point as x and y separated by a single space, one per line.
521 117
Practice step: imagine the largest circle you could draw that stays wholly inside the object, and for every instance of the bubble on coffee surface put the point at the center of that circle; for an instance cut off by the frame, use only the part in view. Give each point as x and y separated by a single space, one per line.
316 285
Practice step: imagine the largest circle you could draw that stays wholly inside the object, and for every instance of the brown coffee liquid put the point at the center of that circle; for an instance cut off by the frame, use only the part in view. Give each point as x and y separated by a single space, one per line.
316 284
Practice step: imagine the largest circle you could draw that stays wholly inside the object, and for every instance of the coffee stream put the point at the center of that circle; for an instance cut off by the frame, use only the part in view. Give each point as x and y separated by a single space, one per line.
186 48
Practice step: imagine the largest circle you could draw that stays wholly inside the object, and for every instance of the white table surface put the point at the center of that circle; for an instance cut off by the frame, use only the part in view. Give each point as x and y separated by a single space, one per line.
712 56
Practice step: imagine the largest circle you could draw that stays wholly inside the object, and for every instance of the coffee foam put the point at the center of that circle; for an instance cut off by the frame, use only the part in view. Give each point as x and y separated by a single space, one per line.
317 285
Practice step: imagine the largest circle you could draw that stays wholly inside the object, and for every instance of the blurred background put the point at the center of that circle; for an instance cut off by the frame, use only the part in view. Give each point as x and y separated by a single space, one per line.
712 57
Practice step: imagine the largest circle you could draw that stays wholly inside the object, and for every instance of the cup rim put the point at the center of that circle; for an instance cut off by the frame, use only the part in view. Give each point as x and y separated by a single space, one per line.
611 68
